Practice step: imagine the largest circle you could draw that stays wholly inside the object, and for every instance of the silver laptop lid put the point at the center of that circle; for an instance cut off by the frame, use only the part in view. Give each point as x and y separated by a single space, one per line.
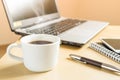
22 13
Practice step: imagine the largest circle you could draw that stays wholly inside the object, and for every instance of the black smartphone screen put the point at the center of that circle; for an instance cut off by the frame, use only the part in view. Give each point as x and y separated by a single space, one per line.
113 44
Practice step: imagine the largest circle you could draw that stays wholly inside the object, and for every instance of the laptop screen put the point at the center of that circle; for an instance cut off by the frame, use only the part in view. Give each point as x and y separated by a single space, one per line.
22 13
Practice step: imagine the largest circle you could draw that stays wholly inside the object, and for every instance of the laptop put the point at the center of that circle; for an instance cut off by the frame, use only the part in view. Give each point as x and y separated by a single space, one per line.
43 17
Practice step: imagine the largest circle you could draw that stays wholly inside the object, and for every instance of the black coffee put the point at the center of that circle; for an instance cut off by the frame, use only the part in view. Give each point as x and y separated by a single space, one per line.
39 42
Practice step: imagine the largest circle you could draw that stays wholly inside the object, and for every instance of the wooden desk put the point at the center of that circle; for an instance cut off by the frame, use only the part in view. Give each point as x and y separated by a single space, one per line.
66 69
3 49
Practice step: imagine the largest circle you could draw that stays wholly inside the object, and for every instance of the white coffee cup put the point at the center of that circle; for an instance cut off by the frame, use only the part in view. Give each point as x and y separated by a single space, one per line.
37 57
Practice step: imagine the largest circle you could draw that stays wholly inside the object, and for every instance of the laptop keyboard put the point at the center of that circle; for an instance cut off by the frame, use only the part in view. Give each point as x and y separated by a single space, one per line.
57 28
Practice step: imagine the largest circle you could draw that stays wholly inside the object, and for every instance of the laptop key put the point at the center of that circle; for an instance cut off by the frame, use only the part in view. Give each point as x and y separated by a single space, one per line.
57 28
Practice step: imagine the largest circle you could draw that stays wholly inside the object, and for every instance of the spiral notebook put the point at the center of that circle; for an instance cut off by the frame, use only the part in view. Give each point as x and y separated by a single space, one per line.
99 47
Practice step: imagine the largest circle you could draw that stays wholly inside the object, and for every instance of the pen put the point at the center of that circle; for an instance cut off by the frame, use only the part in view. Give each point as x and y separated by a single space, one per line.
94 63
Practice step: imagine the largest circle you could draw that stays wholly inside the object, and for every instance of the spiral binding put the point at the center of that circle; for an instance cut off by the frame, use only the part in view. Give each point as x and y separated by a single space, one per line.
103 50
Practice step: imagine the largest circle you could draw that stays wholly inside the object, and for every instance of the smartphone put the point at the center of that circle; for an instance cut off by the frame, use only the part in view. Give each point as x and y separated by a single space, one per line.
113 44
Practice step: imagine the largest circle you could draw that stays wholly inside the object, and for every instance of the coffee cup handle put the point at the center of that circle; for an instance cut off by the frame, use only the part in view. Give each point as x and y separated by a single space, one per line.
10 54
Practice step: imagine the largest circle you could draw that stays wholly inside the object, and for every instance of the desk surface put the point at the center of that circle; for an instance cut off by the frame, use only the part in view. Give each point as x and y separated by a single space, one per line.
66 69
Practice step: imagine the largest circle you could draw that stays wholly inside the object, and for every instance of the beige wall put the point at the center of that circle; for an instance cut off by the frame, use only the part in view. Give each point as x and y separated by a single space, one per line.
106 10
6 36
